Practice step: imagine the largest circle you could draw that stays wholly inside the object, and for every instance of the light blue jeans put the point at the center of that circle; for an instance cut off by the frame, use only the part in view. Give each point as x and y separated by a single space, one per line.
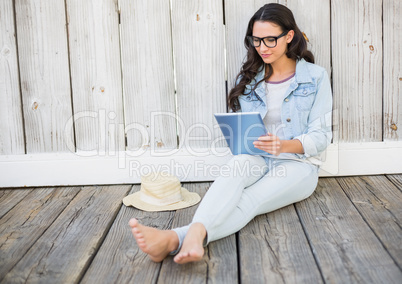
250 186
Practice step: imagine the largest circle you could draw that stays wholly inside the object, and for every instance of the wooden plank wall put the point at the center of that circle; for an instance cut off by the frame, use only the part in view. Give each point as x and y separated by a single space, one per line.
198 42
357 64
147 64
93 29
116 74
11 127
44 73
392 43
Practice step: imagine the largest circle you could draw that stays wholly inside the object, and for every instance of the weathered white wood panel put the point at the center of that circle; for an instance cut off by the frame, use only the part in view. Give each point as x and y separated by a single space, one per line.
147 64
11 128
45 81
392 17
314 19
96 74
198 42
357 68
237 16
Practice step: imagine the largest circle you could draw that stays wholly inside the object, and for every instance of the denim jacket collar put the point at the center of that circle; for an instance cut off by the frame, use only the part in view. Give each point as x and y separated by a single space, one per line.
302 73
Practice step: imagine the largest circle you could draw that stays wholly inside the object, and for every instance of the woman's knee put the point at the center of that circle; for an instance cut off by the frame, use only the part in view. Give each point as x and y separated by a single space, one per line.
305 180
312 184
274 192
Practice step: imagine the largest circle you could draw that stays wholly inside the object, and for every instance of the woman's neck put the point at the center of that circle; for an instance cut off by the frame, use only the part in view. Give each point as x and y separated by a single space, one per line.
282 69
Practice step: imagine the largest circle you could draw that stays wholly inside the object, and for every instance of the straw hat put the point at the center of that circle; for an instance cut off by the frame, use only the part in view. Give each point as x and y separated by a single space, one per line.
161 192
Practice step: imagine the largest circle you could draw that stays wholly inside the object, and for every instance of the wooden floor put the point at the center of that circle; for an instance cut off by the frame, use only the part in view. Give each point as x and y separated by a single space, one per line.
348 231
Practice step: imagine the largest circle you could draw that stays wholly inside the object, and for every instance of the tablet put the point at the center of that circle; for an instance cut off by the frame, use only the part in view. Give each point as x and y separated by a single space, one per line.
240 130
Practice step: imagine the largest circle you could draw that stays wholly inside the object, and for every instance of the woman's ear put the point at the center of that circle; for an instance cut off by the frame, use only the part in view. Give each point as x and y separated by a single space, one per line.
290 35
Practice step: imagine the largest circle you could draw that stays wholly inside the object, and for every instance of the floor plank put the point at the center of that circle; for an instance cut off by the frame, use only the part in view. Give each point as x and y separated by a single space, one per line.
379 202
11 197
219 264
273 249
397 180
345 248
66 248
21 226
119 260
222 261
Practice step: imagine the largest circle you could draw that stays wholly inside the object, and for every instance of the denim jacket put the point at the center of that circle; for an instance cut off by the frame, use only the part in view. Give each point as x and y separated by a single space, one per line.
306 110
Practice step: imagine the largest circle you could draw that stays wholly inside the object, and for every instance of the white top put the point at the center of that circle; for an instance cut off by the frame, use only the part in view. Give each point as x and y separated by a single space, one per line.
275 94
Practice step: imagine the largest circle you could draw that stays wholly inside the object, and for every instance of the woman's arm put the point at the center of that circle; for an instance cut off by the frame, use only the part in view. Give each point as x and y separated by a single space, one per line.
273 145
318 134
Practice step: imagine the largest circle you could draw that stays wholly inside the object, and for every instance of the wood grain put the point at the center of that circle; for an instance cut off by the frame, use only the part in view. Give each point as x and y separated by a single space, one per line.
379 202
198 42
392 27
357 68
21 227
345 247
93 28
45 79
11 197
397 180
11 126
119 260
284 255
67 247
148 75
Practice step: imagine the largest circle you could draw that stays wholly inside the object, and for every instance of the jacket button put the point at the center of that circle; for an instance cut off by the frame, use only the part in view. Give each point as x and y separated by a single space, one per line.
286 100
288 120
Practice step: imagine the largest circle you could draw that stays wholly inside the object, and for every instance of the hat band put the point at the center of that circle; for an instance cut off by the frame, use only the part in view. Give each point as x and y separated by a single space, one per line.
161 201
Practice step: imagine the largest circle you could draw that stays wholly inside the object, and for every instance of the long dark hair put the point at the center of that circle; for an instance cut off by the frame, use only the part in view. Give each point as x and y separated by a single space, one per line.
297 48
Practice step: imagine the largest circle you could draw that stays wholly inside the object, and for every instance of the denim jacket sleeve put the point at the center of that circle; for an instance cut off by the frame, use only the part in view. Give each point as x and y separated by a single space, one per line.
318 133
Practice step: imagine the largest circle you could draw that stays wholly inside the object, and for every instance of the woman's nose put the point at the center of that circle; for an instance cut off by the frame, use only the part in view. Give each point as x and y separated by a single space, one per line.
263 47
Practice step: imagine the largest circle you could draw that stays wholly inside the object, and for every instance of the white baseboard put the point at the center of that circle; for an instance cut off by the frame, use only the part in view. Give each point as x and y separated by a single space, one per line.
343 159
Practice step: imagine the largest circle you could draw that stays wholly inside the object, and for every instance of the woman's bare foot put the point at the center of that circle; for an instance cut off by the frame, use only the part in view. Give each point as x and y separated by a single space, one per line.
156 243
192 248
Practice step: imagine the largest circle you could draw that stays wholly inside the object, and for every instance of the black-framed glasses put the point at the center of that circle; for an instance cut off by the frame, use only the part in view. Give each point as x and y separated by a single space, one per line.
269 41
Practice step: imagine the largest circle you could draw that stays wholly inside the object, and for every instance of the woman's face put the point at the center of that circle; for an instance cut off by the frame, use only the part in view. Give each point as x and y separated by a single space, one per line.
271 54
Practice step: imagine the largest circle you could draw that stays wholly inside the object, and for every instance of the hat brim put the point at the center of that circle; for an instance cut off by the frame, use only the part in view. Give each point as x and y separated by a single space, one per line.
189 199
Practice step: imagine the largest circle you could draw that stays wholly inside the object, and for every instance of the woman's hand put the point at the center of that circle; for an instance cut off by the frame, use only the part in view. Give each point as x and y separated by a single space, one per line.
269 143
273 145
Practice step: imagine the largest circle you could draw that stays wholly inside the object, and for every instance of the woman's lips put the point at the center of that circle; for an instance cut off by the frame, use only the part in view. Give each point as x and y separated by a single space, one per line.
265 55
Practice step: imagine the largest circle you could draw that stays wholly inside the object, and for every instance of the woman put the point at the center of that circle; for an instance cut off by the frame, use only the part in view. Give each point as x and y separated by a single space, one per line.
280 81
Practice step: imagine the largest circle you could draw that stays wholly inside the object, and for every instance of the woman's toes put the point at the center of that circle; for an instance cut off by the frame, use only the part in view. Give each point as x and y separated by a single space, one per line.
133 222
